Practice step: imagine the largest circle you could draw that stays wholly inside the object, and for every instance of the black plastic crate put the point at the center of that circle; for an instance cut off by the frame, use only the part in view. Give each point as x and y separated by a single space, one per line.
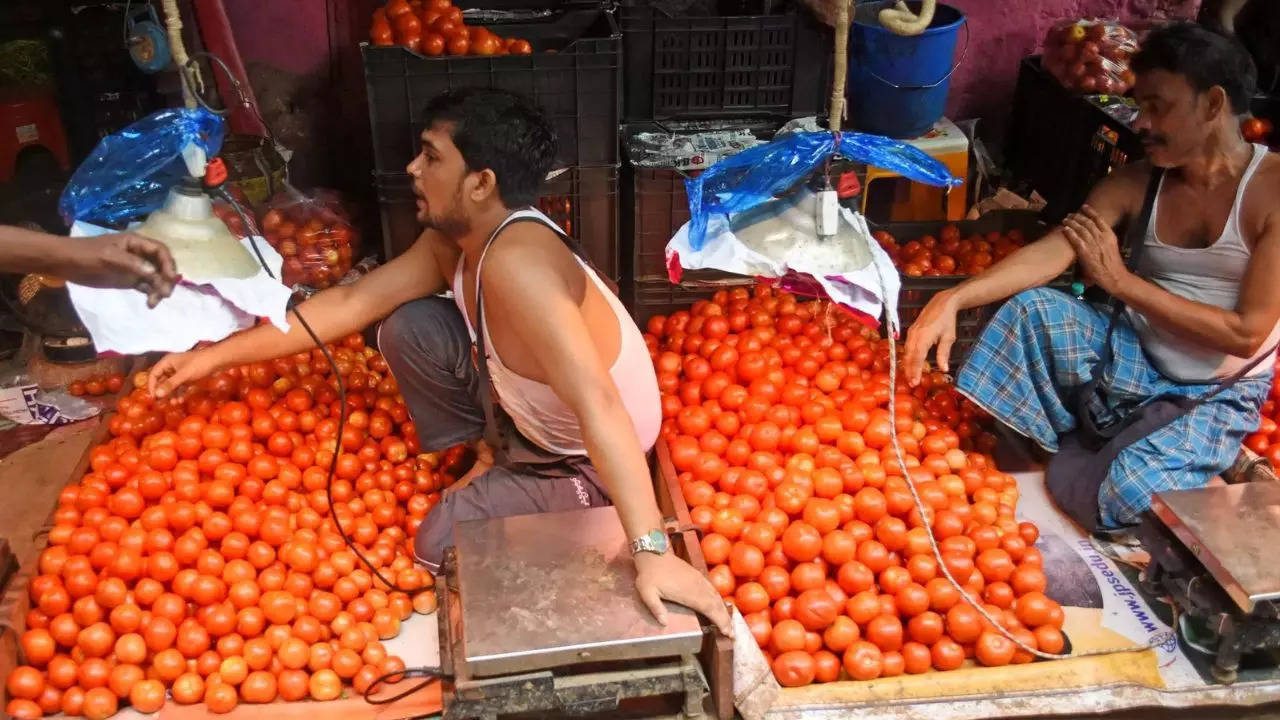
660 297
721 66
655 206
583 201
573 75
916 292
1060 143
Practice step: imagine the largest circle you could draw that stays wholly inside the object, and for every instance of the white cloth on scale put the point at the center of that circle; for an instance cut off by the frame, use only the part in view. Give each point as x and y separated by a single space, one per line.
120 322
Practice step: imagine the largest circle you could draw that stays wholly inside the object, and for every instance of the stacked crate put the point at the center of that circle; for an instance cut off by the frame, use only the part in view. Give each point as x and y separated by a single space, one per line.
752 70
573 75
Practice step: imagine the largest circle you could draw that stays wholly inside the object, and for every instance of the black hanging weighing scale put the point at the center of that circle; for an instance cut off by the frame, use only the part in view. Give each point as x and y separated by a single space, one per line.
540 618
1211 553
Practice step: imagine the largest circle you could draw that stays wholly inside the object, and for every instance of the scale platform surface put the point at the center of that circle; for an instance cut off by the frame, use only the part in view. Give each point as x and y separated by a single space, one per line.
1232 530
556 589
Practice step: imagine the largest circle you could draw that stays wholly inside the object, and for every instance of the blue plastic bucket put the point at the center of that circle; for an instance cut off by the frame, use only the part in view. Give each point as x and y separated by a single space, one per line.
898 85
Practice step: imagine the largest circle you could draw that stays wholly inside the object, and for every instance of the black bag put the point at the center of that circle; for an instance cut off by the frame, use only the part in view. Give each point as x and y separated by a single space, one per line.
1075 474
511 449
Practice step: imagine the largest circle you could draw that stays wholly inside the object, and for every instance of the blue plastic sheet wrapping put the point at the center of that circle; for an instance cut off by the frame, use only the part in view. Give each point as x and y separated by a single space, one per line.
743 181
130 172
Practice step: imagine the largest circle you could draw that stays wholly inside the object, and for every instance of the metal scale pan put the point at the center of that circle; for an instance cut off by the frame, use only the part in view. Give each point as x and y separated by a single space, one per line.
542 614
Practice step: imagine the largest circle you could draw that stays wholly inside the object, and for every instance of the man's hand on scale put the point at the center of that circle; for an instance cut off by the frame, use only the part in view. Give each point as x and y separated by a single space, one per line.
936 325
667 577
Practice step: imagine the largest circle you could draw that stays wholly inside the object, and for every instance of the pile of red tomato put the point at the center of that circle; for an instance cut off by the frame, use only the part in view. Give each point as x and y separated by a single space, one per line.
435 27
1266 439
1091 56
776 417
97 385
949 254
1257 130
560 210
315 237
197 560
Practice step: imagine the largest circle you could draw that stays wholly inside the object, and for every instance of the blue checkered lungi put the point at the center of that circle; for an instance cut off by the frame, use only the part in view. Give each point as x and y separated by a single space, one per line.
1042 344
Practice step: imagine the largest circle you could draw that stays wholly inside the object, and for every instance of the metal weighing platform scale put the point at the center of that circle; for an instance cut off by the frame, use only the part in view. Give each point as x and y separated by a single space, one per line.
1212 554
541 619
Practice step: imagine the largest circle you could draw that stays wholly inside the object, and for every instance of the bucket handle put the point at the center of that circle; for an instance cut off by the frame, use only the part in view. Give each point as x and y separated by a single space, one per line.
963 54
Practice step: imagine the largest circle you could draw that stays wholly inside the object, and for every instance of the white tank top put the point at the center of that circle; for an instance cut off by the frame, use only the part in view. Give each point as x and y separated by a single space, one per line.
538 413
1211 275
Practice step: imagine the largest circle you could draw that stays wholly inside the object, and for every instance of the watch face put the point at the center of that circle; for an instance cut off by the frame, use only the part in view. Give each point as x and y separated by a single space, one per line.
659 540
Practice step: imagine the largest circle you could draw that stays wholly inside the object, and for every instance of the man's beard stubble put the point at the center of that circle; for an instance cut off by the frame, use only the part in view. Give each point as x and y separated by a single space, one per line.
453 224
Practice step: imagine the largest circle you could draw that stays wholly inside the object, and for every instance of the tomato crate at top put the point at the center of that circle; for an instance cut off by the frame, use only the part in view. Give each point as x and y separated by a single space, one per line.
722 66
572 74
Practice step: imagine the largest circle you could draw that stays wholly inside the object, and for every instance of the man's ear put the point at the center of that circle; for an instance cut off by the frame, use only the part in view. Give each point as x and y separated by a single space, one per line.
482 185
1217 101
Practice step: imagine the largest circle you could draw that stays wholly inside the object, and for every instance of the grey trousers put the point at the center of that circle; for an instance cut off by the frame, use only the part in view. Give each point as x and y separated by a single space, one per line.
429 350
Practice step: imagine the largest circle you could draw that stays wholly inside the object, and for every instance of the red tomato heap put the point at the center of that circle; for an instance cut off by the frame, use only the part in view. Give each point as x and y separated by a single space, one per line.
97 385
1091 56
1266 439
560 210
316 239
776 417
949 254
1257 130
435 27
197 555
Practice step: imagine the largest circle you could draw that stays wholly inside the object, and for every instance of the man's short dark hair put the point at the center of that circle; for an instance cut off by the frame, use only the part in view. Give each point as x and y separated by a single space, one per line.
501 131
1203 57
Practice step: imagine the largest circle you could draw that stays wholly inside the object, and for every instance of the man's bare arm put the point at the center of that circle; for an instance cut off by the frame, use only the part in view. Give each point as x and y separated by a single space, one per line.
1241 331
331 313
1028 267
1039 262
521 282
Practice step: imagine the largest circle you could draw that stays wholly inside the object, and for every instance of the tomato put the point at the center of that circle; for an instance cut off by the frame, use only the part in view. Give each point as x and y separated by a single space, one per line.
147 696
964 623
1049 639
1034 609
458 44
1028 579
885 632
325 685
188 689
801 541
220 698
816 609
863 661
794 668
25 682
259 687
993 649
947 654
100 703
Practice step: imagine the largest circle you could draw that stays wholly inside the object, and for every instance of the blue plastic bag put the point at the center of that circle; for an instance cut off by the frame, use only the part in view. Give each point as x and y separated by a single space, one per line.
743 181
129 173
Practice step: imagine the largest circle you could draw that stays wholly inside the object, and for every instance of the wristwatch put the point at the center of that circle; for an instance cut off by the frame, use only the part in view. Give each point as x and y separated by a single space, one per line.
654 541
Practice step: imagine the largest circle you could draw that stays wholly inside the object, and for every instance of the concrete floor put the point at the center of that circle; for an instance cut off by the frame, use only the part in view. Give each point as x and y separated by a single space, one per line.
30 480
